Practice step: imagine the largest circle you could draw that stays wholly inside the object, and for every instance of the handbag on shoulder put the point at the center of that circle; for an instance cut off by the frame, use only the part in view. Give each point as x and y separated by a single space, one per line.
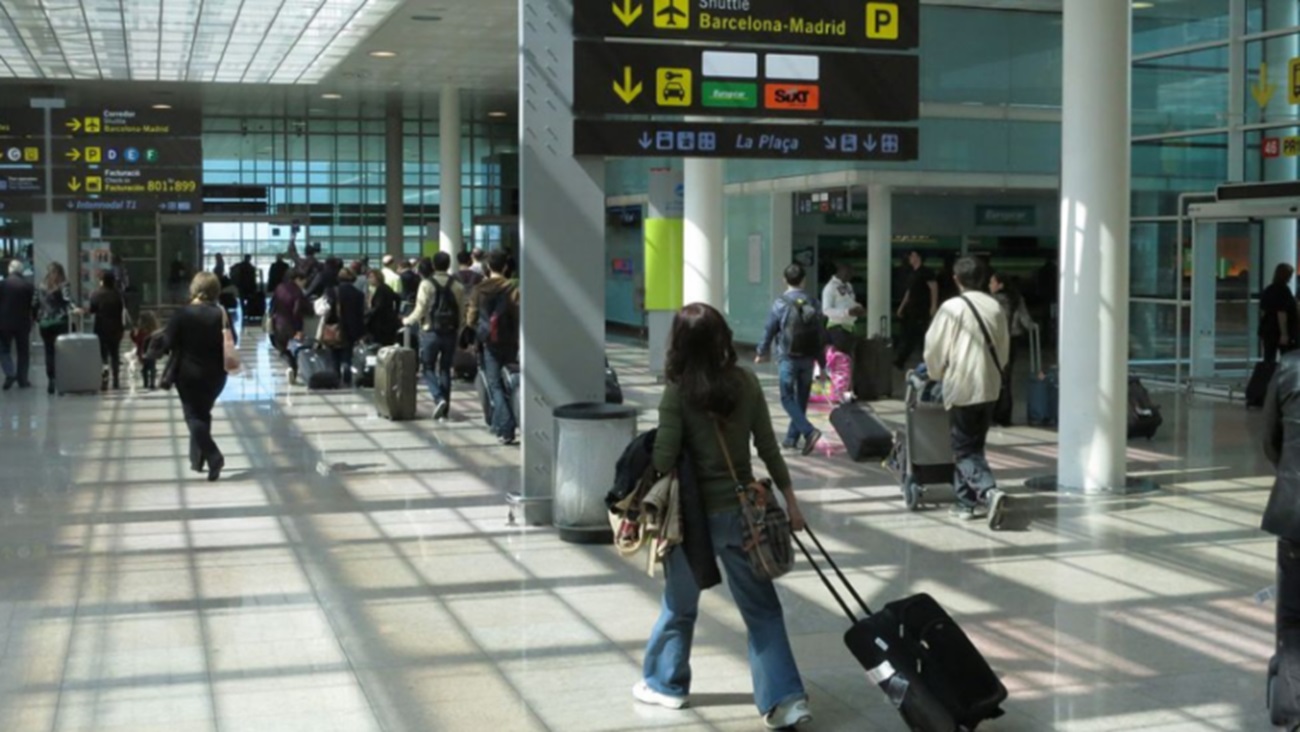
767 537
229 352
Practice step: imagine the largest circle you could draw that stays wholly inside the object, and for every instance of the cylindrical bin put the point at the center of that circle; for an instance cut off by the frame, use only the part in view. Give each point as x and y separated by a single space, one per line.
589 438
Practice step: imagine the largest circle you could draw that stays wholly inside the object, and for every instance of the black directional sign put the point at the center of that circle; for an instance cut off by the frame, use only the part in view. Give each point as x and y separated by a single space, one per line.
847 23
128 122
613 78
739 140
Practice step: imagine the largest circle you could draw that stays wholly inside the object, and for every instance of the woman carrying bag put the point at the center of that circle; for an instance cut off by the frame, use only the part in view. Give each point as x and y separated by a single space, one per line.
54 313
712 408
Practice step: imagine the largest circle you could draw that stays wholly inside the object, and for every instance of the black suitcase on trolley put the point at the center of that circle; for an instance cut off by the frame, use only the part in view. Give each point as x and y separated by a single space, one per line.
862 432
873 366
918 655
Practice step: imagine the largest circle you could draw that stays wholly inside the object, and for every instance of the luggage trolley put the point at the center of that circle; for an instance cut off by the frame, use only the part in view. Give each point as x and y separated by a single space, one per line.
923 449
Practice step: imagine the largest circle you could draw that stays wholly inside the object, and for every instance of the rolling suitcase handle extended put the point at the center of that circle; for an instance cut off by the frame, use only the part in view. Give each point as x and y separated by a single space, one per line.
825 581
884 326
1035 351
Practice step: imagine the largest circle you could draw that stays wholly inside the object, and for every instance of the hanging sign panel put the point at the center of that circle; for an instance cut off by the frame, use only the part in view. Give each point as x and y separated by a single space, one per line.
740 140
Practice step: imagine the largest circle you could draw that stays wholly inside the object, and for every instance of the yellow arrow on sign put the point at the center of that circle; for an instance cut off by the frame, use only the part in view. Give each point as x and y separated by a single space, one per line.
73 124
628 91
74 154
627 14
1262 90
74 184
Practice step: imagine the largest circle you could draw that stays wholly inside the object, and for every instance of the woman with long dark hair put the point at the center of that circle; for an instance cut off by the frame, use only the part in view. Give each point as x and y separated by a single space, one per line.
109 308
712 408
54 313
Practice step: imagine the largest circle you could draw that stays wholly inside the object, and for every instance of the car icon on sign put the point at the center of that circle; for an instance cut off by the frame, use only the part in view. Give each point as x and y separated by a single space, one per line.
674 90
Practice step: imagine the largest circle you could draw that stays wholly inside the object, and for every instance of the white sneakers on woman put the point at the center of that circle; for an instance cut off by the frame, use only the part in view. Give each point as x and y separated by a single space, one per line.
644 694
790 714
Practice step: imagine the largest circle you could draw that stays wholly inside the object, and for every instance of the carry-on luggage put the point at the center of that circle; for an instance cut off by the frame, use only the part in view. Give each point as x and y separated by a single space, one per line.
464 365
77 365
862 432
613 389
1257 387
919 656
365 356
397 381
1143 414
316 369
922 454
873 366
1042 394
254 307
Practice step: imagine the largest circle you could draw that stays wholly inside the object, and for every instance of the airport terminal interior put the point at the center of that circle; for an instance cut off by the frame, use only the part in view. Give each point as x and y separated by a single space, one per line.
1128 167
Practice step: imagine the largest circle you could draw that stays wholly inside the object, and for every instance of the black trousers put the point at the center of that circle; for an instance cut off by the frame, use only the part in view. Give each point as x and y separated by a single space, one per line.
910 340
196 404
972 476
48 337
17 343
110 354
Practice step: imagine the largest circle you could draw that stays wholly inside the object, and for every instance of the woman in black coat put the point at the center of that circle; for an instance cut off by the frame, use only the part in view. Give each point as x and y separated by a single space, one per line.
109 309
382 320
348 311
195 339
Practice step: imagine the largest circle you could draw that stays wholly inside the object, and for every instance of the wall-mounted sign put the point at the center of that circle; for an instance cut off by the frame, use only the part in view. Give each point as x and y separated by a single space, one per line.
623 78
837 201
998 215
739 140
851 23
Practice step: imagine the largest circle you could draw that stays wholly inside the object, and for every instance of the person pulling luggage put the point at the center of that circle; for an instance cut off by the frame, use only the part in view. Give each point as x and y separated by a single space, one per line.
918 308
965 348
493 319
1021 324
795 325
17 313
439 311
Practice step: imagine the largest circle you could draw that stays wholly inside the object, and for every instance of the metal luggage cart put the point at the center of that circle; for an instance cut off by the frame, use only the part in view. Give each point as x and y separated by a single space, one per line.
923 451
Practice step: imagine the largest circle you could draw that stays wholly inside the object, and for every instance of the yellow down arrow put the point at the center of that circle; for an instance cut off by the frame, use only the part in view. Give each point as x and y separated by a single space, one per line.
74 184
628 91
1263 89
627 14
74 154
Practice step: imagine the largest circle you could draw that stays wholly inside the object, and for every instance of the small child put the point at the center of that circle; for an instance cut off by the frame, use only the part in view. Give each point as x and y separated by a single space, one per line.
144 335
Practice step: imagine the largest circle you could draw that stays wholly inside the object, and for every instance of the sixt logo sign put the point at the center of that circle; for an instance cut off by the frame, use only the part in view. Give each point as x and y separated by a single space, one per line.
804 97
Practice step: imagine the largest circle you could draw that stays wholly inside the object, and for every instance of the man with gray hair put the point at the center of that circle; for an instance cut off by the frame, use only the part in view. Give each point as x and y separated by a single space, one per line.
17 312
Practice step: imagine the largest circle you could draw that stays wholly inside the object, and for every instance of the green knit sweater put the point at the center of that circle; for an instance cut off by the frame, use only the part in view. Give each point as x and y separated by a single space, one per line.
688 425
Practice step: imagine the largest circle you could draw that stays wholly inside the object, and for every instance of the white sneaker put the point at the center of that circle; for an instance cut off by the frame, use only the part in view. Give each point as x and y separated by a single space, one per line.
644 694
790 714
999 502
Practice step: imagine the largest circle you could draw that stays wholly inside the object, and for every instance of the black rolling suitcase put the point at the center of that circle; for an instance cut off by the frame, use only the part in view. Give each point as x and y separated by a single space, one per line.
1144 417
873 366
862 432
1257 387
916 653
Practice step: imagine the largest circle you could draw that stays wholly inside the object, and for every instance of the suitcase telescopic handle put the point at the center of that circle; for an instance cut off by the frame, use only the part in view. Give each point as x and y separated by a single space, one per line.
1035 351
826 581
884 326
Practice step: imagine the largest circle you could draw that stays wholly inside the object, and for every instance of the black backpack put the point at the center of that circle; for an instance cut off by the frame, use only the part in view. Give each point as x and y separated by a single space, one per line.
801 328
444 316
498 328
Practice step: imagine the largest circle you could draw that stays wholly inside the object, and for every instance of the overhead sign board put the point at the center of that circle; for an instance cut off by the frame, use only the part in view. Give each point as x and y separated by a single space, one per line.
740 140
837 201
845 23
21 123
1293 81
118 121
114 150
624 78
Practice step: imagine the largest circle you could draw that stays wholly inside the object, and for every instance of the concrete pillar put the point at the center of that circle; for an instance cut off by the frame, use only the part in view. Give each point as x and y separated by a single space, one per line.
1279 234
54 237
782 249
880 248
704 251
394 193
1094 244
449 163
562 217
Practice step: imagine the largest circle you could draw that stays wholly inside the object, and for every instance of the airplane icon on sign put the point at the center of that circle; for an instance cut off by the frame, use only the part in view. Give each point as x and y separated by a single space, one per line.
672 14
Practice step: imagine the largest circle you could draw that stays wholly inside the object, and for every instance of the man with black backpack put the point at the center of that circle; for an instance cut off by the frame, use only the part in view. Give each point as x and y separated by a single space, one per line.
439 311
493 319
798 329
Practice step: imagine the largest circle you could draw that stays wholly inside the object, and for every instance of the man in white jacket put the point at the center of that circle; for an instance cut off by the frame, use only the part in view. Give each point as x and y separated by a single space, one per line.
965 348
840 305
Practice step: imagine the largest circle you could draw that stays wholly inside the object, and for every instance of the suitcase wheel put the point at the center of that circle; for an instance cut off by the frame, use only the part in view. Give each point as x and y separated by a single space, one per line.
912 492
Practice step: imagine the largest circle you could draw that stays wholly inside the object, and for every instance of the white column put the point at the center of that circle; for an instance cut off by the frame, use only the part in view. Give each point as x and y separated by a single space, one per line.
880 246
704 251
781 253
394 161
449 162
1094 244
1279 234
55 240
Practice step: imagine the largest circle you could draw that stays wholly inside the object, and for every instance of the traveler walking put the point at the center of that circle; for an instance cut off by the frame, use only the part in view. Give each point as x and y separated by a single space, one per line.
1282 447
146 332
195 339
480 262
17 313
710 410
109 309
54 314
382 321
410 289
966 348
440 307
219 266
920 303
391 276
840 303
795 327
289 309
244 275
465 273
326 278
275 274
1279 323
348 312
1020 324
493 313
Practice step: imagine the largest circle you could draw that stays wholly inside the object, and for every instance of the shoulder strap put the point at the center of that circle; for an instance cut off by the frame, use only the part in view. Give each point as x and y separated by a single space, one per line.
722 442
988 339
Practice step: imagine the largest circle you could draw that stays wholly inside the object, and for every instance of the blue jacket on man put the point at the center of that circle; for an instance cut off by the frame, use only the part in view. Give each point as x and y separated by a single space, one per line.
772 333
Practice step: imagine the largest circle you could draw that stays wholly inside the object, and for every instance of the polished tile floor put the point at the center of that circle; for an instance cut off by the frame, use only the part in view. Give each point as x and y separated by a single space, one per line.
352 574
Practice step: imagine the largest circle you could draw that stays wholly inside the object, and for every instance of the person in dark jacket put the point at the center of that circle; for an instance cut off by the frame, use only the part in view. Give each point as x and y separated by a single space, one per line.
326 279
1279 324
289 309
17 313
108 307
348 310
276 272
55 311
498 346
714 408
1282 514
195 339
382 321
411 279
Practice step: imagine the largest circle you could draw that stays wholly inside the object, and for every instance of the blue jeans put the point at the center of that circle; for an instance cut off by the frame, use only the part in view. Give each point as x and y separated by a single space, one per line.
796 375
667 667
437 352
503 417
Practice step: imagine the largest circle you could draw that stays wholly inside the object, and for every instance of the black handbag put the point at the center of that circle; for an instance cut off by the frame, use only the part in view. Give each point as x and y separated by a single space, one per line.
767 537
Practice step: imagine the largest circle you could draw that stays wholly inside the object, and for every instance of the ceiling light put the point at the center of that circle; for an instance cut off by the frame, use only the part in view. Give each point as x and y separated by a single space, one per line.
383 54
162 106
498 115
331 95
1140 5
